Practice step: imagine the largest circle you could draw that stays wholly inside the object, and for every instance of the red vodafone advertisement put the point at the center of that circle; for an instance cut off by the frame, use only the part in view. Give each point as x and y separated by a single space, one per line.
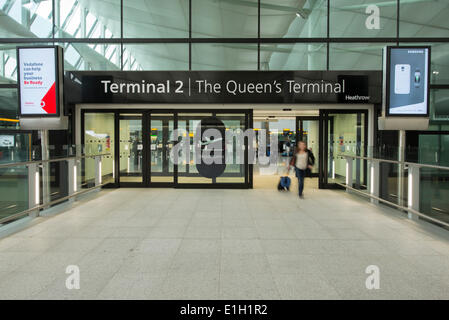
38 81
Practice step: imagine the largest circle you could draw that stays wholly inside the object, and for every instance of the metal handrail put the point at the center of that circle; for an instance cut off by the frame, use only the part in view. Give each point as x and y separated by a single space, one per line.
395 161
25 163
394 204
42 206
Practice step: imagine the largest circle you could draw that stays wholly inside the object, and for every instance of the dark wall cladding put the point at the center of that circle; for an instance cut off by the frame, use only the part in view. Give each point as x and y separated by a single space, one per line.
223 87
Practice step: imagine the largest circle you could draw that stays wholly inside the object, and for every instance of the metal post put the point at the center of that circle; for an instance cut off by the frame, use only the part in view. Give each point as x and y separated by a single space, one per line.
401 157
413 190
72 177
374 180
97 170
33 188
349 162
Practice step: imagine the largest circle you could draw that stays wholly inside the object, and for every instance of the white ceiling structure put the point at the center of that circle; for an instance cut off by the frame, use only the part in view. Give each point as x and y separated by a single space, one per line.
223 19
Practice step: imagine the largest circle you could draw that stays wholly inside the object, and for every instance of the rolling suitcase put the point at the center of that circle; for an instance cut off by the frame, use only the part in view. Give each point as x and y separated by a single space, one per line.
284 183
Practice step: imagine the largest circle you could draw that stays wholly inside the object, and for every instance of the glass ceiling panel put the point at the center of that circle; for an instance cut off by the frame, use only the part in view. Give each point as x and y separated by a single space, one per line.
224 18
424 18
293 19
156 19
348 18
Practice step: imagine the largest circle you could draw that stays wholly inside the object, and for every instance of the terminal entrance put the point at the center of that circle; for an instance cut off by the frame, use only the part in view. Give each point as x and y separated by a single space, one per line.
140 142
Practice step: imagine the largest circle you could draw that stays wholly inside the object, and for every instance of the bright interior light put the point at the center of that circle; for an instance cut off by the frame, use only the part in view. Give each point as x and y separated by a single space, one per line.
333 168
99 172
410 188
37 184
347 173
74 178
372 180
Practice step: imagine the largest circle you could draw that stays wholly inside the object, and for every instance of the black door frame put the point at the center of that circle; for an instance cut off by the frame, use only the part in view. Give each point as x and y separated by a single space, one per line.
146 165
324 145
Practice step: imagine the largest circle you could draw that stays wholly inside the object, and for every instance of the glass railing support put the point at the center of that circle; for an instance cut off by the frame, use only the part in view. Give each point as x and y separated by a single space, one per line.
374 180
413 190
412 207
349 163
33 188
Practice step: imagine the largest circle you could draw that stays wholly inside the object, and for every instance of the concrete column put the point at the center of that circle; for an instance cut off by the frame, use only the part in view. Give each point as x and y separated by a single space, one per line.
413 190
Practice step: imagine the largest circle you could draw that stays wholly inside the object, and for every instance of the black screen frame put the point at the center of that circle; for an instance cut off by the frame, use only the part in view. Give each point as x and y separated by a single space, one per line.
58 82
387 83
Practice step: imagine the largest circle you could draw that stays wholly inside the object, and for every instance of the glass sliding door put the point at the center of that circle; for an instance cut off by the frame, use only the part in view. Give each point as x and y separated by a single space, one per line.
345 133
131 148
161 167
187 170
308 129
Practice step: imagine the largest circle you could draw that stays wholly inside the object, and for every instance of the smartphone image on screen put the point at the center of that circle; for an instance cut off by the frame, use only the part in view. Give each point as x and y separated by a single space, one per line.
402 79
417 78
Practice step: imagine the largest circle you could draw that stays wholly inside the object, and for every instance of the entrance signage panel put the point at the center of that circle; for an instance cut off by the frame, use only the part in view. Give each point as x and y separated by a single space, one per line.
223 87
39 77
407 81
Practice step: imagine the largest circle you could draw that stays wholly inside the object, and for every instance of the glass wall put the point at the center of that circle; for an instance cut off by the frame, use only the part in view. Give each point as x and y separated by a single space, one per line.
222 35
299 56
198 34
224 19
224 56
98 139
363 18
293 19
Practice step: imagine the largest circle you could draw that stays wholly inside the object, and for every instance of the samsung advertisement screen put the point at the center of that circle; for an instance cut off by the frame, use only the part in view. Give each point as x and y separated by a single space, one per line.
37 78
408 81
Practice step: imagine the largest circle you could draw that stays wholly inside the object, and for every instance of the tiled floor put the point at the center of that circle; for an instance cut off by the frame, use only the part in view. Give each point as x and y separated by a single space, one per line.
226 244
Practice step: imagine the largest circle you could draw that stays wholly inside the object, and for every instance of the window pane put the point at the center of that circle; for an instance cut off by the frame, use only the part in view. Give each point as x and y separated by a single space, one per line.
439 104
224 56
8 106
83 56
355 56
357 18
26 19
156 19
425 18
293 18
224 18
300 56
76 18
158 56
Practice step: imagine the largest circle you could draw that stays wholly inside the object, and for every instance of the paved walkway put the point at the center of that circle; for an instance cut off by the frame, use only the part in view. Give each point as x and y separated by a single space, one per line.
226 244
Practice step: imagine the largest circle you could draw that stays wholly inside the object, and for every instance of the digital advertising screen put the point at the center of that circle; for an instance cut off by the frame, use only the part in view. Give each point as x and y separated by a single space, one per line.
6 140
38 81
408 80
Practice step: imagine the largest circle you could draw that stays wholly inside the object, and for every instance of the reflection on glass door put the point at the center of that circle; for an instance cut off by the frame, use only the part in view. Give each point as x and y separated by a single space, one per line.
346 134
161 127
187 171
308 131
131 148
